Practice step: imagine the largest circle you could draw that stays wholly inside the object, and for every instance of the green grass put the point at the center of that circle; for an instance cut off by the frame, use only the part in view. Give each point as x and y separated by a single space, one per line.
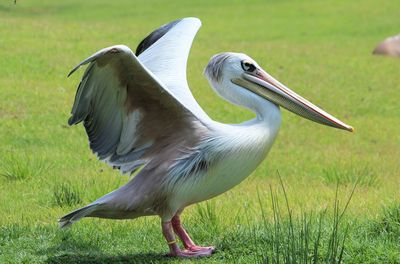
301 239
22 167
320 49
66 195
364 176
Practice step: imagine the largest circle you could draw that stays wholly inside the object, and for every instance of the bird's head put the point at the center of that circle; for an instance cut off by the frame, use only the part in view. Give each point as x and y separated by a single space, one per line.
237 77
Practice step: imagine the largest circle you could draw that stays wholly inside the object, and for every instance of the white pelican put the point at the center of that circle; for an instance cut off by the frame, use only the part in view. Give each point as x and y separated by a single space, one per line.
138 112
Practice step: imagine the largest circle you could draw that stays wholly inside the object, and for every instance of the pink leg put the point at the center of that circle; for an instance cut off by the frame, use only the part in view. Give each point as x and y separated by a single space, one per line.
186 240
173 246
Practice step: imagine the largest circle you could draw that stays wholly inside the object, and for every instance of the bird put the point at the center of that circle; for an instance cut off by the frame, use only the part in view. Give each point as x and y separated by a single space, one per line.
141 118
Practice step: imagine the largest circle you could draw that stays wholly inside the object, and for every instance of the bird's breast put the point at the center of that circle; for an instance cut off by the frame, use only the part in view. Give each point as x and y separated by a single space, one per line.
231 156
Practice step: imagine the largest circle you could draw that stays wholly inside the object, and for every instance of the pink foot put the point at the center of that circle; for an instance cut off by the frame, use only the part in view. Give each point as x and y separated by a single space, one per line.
175 251
191 254
195 248
186 240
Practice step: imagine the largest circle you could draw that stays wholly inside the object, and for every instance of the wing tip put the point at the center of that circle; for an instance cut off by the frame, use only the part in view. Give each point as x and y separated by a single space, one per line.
93 57
70 121
193 20
73 120
72 71
77 67
157 34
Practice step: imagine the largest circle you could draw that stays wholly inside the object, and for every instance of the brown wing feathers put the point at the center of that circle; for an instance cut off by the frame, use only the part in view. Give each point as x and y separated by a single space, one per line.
121 103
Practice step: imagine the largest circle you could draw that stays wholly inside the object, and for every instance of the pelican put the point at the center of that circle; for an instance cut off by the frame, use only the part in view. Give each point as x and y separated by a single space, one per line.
140 116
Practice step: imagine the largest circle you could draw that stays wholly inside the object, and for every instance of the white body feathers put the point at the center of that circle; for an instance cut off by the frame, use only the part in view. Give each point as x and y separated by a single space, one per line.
150 117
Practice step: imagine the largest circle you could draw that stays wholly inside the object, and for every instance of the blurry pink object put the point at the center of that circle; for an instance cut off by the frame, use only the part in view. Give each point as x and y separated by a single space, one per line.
389 47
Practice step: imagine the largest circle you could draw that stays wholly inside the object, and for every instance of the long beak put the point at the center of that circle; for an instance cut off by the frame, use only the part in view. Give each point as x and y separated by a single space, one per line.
269 88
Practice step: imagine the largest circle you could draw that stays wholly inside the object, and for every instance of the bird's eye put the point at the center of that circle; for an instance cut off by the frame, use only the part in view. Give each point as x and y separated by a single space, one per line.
248 66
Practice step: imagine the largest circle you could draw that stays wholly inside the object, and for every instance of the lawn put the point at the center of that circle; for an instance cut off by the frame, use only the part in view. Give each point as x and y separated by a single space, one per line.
320 49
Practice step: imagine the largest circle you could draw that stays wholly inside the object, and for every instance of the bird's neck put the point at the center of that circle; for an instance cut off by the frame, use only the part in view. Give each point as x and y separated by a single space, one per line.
267 113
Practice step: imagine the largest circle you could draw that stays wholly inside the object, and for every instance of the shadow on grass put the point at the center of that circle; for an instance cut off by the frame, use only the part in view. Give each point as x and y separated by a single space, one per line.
71 250
99 257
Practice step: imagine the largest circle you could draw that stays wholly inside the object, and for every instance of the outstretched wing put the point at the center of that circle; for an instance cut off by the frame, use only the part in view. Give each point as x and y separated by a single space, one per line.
129 115
165 52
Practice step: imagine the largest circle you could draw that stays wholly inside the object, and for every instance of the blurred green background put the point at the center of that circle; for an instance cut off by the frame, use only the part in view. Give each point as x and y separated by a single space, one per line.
320 49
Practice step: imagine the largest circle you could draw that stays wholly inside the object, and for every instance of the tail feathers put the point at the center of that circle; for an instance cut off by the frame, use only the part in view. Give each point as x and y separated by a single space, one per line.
74 216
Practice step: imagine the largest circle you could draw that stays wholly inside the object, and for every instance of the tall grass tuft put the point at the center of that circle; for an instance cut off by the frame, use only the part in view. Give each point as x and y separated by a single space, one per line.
310 238
66 195
391 219
389 222
207 216
21 167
